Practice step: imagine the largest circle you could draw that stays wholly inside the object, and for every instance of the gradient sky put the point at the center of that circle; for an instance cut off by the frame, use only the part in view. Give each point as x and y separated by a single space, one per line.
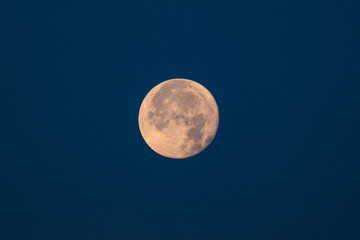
284 164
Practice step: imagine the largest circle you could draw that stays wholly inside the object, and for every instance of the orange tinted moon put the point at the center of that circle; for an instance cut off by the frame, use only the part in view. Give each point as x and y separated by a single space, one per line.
178 118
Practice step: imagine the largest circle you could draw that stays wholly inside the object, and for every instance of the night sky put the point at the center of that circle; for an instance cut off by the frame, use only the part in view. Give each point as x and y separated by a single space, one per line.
283 165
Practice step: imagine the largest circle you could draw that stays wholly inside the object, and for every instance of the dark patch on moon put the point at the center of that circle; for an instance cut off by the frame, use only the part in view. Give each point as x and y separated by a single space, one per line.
209 139
161 124
199 121
161 121
186 100
177 118
196 148
150 114
187 121
194 134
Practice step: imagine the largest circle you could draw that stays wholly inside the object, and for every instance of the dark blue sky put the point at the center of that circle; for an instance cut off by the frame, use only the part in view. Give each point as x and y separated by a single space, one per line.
285 161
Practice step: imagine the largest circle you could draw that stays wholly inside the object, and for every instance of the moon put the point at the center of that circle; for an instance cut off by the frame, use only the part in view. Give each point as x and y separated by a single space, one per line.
178 118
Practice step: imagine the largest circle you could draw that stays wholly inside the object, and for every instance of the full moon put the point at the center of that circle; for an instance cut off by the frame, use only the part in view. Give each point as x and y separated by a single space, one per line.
178 118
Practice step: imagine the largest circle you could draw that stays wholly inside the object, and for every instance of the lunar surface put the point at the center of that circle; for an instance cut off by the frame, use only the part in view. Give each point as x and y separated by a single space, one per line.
178 118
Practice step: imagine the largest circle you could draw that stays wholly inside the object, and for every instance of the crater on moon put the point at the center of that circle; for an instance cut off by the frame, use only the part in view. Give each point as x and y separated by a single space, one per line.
178 118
